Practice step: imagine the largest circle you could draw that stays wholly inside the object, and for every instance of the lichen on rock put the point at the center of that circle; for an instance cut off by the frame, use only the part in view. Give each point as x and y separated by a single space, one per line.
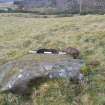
18 76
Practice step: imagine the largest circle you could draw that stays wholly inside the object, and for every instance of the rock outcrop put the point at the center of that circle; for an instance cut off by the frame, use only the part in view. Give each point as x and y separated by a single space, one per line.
18 76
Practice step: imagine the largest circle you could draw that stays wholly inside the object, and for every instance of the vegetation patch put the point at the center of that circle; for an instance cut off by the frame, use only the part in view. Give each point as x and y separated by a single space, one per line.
18 35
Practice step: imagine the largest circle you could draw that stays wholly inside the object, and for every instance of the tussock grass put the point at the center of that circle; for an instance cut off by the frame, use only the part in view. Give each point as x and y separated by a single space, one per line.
20 34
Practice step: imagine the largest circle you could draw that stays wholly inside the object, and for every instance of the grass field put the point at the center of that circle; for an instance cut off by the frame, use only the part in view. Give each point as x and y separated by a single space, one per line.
20 34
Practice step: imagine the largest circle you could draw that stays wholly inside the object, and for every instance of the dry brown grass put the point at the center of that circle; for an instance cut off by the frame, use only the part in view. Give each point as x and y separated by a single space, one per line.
20 34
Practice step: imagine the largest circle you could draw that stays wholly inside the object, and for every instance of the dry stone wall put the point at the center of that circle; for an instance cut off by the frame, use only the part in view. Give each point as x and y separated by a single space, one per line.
69 6
93 6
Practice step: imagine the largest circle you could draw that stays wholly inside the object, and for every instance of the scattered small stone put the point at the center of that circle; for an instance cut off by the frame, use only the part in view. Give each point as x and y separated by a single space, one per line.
74 52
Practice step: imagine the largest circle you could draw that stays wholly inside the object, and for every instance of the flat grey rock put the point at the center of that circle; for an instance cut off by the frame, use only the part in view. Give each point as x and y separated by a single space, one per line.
17 76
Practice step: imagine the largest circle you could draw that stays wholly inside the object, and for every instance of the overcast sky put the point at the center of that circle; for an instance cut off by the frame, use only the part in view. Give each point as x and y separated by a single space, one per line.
6 0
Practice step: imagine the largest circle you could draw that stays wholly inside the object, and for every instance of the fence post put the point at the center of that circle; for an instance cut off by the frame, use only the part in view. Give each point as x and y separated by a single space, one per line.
80 8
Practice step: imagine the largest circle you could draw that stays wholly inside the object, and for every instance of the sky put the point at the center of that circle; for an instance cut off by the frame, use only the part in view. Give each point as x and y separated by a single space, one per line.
6 0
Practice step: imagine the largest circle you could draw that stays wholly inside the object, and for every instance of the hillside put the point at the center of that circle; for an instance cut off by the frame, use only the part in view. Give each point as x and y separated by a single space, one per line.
20 33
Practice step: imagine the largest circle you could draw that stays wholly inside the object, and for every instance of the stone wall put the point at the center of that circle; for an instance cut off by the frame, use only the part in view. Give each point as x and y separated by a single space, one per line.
93 6
69 6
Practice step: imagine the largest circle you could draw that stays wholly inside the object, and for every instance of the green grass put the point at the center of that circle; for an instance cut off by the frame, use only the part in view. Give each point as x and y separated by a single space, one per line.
18 34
